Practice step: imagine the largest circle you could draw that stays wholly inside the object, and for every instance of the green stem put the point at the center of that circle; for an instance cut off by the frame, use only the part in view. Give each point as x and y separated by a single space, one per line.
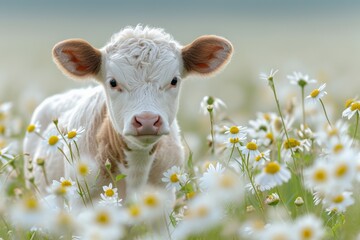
356 128
45 175
303 104
327 118
212 132
232 152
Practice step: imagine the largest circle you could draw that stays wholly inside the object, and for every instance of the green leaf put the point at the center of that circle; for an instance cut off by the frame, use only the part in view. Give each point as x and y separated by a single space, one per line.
119 177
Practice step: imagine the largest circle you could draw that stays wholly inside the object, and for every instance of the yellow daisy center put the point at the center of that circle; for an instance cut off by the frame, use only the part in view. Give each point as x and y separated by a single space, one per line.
291 143
2 129
226 181
174 178
333 132
259 157
355 106
307 233
53 140
31 204
267 117
190 195
103 218
270 136
202 211
234 140
252 146
272 168
61 191
64 219
341 170
66 183
83 169
320 175
348 102
151 201
338 199
71 134
109 192
338 147
134 210
314 93
234 130
31 128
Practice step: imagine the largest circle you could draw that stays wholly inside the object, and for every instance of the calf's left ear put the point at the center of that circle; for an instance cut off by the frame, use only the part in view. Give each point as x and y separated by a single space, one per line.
207 54
77 58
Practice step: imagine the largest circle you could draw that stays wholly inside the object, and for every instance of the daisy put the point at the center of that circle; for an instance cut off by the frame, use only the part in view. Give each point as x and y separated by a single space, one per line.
101 223
33 128
292 145
236 132
299 79
211 175
155 202
53 142
270 76
110 196
83 168
234 142
202 214
215 104
318 176
64 187
272 175
343 170
250 150
261 159
353 109
338 202
272 199
74 134
308 227
275 231
174 178
316 94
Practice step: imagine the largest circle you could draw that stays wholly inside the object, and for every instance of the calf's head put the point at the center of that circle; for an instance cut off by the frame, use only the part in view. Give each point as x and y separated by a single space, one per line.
141 70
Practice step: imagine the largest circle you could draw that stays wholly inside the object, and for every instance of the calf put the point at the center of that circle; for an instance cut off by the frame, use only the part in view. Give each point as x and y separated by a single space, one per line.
129 118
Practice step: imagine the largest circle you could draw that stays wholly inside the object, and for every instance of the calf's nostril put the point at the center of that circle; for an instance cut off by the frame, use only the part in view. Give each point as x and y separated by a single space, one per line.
137 123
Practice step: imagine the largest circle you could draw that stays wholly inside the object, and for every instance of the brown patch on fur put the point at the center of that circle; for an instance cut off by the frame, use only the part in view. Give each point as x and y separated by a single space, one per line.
77 58
111 145
206 54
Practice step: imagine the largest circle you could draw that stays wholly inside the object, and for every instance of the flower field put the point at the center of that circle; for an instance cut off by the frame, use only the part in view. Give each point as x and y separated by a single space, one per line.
289 173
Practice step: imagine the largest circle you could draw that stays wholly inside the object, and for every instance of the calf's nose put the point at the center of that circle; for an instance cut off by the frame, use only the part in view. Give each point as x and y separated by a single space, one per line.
147 123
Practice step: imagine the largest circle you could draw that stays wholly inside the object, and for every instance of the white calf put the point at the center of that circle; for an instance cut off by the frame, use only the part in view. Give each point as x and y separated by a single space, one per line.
130 118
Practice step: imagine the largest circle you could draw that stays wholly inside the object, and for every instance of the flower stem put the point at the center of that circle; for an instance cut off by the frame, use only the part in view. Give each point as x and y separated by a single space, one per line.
211 115
356 128
303 104
327 118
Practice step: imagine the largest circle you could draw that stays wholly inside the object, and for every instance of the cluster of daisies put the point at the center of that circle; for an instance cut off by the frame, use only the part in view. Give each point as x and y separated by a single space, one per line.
287 174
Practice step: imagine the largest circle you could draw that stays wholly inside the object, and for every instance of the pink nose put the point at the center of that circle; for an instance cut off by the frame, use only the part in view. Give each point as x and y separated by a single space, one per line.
147 123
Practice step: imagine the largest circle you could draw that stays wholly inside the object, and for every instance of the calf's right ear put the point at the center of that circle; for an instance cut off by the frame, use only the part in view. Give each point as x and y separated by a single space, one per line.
77 58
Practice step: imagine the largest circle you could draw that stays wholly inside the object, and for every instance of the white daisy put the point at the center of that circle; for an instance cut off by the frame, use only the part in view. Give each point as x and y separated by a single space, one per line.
101 223
272 175
268 77
236 132
308 227
174 178
353 109
299 79
211 176
250 149
275 231
74 134
293 145
234 142
318 176
33 128
53 141
316 94
64 187
343 170
261 159
215 104
338 202
110 196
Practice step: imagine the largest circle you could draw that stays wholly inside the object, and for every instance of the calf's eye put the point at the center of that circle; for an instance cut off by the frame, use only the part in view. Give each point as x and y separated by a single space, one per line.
174 81
113 83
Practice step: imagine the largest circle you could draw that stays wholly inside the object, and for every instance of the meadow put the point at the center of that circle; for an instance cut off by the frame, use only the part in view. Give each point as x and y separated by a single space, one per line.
290 173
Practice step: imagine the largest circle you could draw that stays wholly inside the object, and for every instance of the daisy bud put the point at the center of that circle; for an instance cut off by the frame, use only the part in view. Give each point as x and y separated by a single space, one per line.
299 201
108 164
272 200
30 168
250 209
40 162
32 180
210 108
56 121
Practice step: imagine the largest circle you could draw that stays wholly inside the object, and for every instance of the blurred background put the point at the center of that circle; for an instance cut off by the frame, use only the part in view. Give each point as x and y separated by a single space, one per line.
320 38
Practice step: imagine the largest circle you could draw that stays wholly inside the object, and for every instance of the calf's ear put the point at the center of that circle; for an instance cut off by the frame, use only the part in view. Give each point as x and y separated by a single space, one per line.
77 58
206 55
